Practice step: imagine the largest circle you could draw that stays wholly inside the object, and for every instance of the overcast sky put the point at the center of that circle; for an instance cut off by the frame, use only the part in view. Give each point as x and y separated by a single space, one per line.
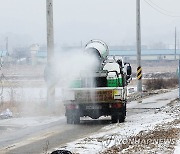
113 21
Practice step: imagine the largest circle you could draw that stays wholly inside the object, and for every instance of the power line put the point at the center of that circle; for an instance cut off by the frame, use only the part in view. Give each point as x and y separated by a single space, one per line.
160 7
160 11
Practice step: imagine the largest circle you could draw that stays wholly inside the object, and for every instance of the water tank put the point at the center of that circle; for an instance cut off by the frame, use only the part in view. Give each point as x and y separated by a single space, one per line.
99 48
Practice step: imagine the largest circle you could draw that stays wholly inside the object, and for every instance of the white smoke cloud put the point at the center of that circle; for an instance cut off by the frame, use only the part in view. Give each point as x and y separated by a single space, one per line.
68 66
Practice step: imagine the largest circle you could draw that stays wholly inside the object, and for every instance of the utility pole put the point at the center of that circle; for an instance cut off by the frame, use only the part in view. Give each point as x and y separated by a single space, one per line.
175 45
7 49
81 44
50 52
7 45
138 48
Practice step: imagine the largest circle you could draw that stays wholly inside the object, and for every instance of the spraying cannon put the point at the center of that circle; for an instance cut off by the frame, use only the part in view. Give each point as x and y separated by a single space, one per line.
99 49
107 97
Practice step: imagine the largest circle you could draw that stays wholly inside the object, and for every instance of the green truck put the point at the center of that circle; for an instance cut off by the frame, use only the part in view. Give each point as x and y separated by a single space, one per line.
107 95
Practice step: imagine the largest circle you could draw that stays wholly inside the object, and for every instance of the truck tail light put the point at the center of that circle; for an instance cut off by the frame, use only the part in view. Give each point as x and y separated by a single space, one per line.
72 106
116 105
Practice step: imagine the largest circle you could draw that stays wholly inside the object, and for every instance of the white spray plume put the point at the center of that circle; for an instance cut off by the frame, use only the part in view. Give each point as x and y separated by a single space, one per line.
69 65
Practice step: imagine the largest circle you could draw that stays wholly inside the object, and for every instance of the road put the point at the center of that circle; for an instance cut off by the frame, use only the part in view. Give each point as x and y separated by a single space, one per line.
39 139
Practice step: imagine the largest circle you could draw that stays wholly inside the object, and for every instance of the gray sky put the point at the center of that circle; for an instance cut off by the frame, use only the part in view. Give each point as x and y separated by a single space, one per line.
113 21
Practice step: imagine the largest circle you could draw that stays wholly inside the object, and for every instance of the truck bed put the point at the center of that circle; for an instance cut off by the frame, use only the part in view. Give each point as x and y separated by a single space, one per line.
95 95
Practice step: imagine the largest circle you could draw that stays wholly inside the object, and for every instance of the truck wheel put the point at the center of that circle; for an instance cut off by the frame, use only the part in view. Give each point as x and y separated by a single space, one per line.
73 117
69 119
76 119
114 118
122 118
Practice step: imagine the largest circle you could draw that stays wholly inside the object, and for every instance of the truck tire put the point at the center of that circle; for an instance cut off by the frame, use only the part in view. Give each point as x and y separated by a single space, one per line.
69 119
73 118
122 118
114 118
76 119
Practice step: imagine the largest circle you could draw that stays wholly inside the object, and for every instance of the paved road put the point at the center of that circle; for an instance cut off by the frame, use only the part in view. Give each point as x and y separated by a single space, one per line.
38 139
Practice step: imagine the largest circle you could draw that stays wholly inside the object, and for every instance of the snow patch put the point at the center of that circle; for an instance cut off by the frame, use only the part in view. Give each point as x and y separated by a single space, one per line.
177 148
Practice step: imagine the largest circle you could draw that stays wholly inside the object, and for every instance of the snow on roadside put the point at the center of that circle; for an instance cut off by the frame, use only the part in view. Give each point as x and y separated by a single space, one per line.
156 101
177 148
117 133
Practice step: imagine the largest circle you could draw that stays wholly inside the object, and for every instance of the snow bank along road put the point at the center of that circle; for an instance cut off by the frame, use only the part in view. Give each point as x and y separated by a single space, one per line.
41 134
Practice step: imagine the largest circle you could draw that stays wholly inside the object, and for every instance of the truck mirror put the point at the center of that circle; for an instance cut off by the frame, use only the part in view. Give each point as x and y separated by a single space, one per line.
128 77
129 70
119 62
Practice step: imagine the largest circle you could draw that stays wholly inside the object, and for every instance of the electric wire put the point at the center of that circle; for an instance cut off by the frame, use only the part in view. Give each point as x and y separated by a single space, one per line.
160 7
160 11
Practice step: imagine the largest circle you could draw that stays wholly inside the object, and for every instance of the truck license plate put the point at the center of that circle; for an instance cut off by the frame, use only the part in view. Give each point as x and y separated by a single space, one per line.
92 107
